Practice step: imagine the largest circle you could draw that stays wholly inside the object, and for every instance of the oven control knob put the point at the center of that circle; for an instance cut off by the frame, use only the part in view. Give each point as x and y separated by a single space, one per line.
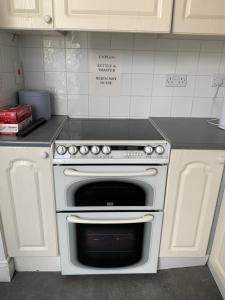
159 149
61 149
72 150
95 150
106 149
148 149
83 150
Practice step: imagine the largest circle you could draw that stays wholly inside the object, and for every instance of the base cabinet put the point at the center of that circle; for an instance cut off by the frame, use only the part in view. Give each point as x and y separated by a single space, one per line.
217 256
27 201
193 183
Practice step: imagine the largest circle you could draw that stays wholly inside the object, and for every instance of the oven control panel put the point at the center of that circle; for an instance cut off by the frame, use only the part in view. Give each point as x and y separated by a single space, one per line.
152 152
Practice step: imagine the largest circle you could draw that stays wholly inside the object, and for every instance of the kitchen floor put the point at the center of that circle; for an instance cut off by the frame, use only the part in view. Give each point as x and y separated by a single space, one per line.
176 284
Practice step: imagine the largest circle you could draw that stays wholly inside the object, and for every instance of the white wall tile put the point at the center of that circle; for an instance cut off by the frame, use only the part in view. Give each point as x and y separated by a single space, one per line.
99 40
122 41
9 56
53 42
181 107
189 45
98 106
76 40
31 41
119 106
159 86
141 84
161 106
201 107
140 107
32 59
77 83
211 46
208 63
56 82
217 106
165 62
143 62
125 84
166 45
187 62
78 106
34 80
59 104
77 60
54 59
186 91
204 87
144 42
126 60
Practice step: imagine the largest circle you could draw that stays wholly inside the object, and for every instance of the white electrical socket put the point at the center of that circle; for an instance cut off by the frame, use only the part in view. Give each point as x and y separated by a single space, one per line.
176 80
218 80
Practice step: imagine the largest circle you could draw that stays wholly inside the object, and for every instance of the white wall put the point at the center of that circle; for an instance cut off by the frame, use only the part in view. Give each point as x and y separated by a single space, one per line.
61 65
8 59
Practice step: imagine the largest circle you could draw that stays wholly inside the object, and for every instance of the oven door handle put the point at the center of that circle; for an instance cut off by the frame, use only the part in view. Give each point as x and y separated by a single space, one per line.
75 219
74 172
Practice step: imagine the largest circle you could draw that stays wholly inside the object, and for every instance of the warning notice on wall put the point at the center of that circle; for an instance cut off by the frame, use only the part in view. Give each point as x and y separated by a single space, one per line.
105 78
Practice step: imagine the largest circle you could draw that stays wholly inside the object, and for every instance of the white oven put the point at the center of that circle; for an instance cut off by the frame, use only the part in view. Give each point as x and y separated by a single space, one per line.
109 217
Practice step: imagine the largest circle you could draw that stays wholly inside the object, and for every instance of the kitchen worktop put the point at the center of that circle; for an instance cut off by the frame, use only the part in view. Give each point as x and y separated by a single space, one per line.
42 136
183 133
191 133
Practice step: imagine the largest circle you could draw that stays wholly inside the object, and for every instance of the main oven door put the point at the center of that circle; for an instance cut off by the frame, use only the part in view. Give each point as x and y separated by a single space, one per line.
109 242
84 188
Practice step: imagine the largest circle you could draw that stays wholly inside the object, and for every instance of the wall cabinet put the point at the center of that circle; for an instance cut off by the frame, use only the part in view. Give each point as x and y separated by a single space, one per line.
189 16
199 16
27 201
107 15
217 256
26 14
193 183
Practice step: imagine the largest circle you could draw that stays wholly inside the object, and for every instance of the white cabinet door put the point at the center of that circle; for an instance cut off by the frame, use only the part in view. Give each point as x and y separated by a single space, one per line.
199 16
217 256
192 188
27 201
116 15
26 14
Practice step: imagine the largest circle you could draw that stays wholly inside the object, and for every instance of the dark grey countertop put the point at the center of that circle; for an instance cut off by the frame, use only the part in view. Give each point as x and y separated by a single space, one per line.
183 133
191 133
42 136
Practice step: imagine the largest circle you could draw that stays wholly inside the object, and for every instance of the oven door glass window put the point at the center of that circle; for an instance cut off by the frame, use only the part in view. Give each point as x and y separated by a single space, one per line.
109 246
109 193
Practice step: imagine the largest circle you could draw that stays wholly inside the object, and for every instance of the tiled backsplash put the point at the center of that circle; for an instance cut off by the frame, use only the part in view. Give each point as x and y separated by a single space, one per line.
8 60
61 64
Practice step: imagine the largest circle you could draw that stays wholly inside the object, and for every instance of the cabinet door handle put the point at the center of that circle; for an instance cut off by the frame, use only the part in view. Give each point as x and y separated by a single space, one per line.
48 19
144 219
44 155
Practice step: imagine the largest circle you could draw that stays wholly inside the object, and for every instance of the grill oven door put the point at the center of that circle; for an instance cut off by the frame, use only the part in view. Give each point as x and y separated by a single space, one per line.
83 188
109 242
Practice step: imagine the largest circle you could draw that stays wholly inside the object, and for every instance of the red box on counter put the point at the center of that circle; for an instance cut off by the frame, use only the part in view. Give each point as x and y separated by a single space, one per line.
15 118
15 114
